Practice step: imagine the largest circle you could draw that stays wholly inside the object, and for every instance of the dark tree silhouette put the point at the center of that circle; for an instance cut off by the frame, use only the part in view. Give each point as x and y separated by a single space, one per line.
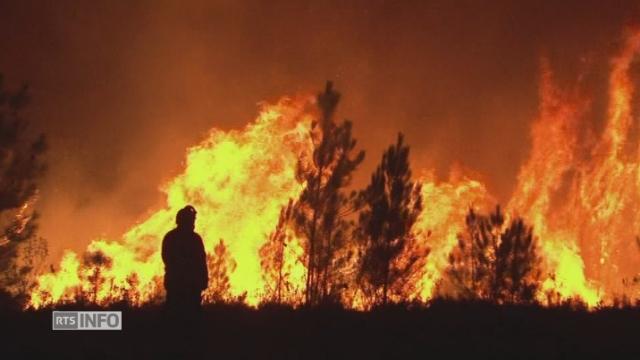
20 276
495 263
517 264
95 262
320 212
390 205
21 167
272 259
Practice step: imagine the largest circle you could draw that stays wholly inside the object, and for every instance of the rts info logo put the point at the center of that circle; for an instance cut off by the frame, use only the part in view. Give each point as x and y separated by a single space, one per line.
87 320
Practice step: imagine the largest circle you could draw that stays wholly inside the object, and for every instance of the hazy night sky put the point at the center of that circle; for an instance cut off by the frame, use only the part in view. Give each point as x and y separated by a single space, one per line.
122 88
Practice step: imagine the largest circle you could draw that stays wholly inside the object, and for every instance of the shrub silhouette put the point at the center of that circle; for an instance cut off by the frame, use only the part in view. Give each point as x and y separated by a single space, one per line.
493 262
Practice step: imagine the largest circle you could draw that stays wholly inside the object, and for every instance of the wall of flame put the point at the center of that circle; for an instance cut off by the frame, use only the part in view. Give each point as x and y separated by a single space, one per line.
583 208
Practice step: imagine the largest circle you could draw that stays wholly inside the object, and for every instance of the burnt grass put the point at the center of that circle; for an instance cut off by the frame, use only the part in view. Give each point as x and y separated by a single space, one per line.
228 331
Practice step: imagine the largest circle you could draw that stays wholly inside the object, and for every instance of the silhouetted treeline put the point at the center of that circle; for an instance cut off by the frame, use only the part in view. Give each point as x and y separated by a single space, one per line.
378 259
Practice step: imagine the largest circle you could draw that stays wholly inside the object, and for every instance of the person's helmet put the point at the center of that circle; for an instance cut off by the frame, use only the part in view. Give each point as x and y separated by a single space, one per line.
186 216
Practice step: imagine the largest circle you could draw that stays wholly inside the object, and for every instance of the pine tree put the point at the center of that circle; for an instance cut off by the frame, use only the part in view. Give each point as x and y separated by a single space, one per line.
517 264
391 205
495 263
21 167
471 263
320 212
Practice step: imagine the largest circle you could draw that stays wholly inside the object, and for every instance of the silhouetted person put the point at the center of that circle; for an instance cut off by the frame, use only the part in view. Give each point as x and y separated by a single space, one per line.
185 274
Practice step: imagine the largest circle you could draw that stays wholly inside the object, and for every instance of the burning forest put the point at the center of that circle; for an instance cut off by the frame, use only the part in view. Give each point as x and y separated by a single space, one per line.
283 223
299 179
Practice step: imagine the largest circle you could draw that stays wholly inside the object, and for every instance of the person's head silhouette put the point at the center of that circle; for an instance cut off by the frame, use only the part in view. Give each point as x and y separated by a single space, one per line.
186 218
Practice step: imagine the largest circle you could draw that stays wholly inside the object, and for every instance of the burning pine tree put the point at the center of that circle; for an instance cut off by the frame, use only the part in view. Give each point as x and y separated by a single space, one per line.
391 205
322 207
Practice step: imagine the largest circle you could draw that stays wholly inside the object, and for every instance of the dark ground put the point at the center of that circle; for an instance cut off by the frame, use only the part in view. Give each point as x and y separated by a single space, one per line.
444 330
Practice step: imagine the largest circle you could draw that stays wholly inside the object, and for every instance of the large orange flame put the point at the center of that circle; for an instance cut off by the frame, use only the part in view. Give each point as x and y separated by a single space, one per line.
237 180
588 233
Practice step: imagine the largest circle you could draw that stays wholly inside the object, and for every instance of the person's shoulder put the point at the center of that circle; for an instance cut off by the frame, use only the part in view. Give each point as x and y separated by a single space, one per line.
171 234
